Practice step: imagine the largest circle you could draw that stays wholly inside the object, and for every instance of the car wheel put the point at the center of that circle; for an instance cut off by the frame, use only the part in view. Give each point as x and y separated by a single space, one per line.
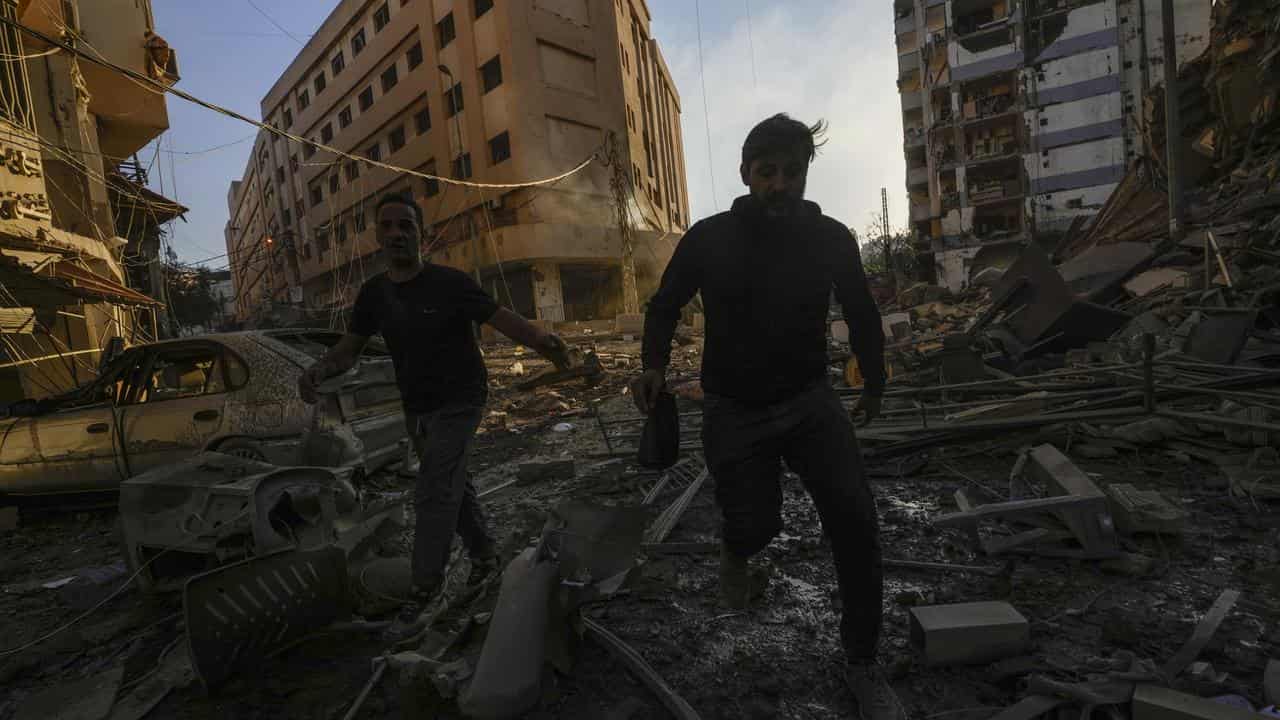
242 448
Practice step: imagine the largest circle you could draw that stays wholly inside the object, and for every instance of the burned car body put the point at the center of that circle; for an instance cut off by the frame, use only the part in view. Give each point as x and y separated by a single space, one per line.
236 393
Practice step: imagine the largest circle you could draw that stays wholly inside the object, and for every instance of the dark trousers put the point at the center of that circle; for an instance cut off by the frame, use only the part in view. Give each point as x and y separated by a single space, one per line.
445 499
745 446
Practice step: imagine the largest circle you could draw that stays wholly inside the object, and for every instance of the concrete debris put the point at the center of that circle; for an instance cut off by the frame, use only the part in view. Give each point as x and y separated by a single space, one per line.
1144 511
1152 702
967 633
545 471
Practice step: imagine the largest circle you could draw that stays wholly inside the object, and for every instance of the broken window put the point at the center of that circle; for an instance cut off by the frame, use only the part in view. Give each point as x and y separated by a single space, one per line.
320 83
366 98
395 139
304 100
189 372
337 63
326 133
445 32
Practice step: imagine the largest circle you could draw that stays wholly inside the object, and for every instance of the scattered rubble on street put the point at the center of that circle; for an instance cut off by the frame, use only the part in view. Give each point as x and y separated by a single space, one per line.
1076 469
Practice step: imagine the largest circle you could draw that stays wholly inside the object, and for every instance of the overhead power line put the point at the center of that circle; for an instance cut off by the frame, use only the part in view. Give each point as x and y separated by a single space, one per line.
706 112
146 81
271 20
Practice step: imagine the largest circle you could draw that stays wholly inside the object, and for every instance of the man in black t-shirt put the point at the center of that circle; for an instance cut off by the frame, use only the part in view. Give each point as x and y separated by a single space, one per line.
427 313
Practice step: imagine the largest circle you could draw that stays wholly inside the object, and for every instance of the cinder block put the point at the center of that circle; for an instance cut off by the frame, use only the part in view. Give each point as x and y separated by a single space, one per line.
968 633
629 324
1049 466
1152 702
1143 511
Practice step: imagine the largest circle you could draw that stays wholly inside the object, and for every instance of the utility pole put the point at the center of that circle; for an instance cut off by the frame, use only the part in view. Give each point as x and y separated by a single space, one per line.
619 183
457 128
1172 123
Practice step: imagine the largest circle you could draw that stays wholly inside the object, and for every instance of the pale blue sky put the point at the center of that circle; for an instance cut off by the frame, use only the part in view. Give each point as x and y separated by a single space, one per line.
832 59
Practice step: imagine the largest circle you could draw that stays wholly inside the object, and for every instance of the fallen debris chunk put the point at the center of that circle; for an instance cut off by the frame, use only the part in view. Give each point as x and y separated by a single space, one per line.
1144 511
636 664
581 366
508 675
968 633
1271 683
87 699
1152 702
545 471
1203 633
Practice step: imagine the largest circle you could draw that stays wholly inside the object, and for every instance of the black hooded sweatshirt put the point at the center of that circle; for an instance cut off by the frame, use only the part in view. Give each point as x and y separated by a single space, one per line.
766 284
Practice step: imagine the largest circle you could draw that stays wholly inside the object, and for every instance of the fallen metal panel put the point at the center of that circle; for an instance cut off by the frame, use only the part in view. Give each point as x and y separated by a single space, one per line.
238 615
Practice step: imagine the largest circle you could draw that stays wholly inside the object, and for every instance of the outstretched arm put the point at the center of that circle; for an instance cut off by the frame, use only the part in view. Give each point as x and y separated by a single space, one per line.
548 345
340 358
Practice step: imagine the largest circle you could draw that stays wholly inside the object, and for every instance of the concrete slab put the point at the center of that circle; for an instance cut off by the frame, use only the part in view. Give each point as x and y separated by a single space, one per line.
1048 465
969 633
1152 702
1145 283
1144 511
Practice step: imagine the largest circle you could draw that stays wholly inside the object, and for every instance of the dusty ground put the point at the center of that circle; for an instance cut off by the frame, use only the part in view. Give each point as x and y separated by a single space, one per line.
778 660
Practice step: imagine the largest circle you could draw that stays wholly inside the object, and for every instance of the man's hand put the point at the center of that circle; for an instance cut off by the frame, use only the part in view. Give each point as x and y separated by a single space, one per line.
554 349
646 388
868 406
310 380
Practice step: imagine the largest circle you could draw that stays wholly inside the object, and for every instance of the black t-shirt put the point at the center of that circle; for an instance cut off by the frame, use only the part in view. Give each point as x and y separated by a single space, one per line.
427 323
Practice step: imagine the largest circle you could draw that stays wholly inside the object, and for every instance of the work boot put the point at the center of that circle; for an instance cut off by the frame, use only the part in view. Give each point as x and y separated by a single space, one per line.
876 700
739 582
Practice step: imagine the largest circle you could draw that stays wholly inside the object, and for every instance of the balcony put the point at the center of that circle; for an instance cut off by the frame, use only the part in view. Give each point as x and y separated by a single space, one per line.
911 100
129 114
905 24
988 192
913 136
920 212
908 63
917 176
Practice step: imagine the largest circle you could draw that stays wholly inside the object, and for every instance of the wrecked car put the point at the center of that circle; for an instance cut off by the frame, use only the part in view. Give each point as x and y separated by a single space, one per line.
236 393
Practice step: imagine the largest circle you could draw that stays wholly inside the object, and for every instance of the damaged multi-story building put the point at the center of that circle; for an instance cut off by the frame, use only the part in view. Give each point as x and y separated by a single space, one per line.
77 224
1020 116
477 90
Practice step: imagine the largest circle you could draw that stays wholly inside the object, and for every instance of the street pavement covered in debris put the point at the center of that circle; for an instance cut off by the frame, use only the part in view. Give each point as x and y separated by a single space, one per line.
1117 604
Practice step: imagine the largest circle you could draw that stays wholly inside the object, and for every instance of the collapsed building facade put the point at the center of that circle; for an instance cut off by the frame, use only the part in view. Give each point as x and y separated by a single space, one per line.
1021 117
75 211
498 93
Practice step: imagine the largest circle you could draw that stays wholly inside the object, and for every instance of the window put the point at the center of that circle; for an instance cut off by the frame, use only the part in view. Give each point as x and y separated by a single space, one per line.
184 372
395 140
404 2
293 163
288 118
299 210
431 185
309 149
322 241
445 32
500 148
366 98
344 117
353 170
333 184
491 73
319 83
338 63
326 133
623 50
279 174
462 166
357 42
287 216
453 101
317 195
483 6
342 232
422 120
414 55
389 78
306 251
381 17
359 221
304 99
374 152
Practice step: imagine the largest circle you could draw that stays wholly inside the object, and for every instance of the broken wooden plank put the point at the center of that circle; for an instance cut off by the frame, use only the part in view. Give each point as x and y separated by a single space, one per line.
1013 509
1203 633
588 366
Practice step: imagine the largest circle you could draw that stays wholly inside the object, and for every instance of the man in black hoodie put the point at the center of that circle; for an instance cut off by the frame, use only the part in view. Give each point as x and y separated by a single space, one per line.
766 269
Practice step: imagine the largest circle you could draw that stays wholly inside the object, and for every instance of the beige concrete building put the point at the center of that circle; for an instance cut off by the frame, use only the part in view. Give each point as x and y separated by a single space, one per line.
77 225
491 91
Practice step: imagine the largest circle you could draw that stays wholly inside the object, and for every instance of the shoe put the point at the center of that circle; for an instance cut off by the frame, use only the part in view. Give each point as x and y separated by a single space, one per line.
739 582
876 699
412 463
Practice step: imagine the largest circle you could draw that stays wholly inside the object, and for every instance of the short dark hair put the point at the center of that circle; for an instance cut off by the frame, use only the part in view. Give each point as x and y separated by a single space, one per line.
400 198
783 132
